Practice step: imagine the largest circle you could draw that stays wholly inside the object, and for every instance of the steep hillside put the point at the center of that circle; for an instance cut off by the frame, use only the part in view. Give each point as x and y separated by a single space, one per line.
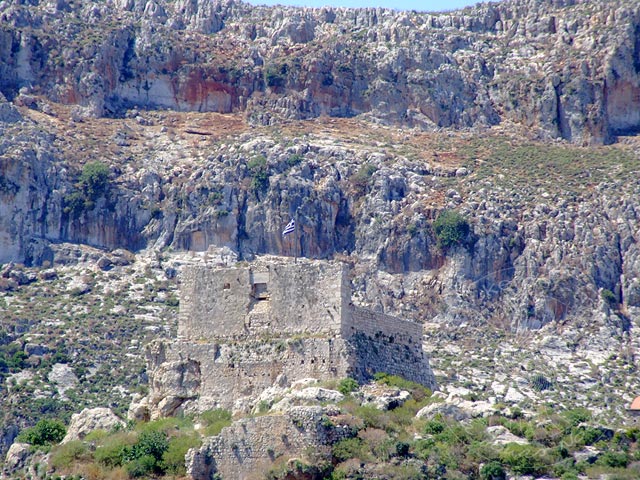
478 170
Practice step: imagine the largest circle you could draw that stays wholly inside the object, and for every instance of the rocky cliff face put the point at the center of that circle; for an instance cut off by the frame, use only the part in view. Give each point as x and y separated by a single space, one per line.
568 69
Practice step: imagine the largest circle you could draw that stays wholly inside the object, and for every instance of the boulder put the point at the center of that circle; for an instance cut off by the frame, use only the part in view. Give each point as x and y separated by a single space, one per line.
35 349
16 456
444 409
501 436
63 376
91 419
388 401
122 257
139 408
8 113
383 397
587 454
307 396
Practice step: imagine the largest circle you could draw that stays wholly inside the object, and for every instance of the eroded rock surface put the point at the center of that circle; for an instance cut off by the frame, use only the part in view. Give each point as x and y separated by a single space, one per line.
91 419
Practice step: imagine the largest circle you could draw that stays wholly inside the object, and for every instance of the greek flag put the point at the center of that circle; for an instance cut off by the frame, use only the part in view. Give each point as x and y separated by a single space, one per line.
291 227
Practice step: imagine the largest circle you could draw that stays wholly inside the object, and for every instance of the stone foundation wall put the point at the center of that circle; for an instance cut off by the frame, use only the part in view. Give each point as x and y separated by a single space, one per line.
229 372
387 328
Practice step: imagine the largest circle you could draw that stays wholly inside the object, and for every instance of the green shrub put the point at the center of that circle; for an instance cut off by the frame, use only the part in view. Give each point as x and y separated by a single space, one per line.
18 361
94 179
423 447
524 459
434 426
418 391
406 413
295 159
372 417
492 471
349 448
45 432
259 174
141 466
173 458
633 434
540 383
150 443
614 459
520 428
482 451
454 434
93 183
64 456
360 180
587 435
577 416
608 296
111 455
215 420
401 472
215 198
450 229
569 476
75 203
166 425
566 466
96 435
347 385
115 449
172 300
402 449
276 75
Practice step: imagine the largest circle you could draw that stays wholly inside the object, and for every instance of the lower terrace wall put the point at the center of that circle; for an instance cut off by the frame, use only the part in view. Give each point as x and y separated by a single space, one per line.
229 372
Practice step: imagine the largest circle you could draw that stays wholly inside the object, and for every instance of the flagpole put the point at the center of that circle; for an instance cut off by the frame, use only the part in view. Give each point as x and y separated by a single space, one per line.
290 228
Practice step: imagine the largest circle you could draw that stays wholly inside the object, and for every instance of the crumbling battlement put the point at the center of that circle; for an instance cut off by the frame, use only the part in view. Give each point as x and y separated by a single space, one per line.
278 298
243 329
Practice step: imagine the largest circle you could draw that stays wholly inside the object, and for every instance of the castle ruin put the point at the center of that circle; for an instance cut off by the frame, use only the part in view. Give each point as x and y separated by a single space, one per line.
243 329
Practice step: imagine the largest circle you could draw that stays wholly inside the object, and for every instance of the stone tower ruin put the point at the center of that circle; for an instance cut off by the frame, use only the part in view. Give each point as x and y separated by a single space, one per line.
243 329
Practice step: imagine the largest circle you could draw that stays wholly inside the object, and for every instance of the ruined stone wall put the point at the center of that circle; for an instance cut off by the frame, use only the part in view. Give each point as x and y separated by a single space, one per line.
277 299
383 343
229 372
246 449
213 302
312 297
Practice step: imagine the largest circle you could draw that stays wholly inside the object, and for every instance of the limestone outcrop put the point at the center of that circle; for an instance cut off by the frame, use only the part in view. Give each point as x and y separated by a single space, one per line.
91 419
251 445
219 122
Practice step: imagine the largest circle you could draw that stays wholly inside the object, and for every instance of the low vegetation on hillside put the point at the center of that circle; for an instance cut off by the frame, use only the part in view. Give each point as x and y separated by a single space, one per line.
385 444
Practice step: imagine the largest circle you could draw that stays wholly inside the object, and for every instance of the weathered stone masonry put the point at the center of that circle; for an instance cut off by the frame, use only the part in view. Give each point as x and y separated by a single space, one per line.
242 329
